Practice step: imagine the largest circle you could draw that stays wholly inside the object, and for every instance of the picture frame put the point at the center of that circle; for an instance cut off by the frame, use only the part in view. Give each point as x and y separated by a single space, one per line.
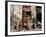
24 8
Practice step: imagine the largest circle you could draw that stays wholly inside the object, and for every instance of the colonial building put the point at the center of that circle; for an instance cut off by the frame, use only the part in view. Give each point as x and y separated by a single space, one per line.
23 17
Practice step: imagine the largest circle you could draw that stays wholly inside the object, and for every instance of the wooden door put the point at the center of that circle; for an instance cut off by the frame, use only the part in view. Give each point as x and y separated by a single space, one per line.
25 16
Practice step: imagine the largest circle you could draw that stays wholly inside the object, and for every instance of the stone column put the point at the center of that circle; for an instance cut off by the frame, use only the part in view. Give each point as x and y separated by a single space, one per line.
33 9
